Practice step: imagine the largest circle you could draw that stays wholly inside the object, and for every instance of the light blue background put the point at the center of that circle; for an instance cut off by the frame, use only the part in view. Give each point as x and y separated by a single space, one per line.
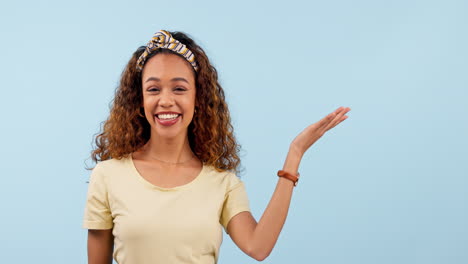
388 185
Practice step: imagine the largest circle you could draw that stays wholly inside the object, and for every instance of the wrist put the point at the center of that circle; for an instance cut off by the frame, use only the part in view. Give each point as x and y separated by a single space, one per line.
294 178
293 159
295 151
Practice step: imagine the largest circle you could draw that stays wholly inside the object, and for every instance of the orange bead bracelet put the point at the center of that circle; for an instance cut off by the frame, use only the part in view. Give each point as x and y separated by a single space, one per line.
289 176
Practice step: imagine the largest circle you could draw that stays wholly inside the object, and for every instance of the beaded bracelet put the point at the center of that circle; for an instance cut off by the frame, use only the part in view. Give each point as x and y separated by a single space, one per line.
289 176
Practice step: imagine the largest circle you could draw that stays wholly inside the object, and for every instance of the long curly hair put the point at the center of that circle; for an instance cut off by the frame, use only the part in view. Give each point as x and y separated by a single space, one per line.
210 133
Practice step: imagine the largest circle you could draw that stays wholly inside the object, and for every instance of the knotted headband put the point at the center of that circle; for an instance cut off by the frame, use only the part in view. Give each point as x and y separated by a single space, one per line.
164 40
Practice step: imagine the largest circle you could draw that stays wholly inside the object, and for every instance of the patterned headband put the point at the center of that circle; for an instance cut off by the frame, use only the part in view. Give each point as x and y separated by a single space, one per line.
164 40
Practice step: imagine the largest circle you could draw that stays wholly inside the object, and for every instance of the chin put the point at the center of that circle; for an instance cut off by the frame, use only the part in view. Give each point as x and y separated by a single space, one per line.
168 133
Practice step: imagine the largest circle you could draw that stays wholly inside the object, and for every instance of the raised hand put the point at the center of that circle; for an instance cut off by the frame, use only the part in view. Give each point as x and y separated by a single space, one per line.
312 133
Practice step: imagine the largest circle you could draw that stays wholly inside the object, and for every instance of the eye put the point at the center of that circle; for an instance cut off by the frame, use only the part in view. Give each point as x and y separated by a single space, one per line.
180 89
153 89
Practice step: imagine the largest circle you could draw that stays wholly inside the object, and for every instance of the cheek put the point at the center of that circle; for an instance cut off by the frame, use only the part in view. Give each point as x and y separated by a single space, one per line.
148 108
192 102
190 107
148 103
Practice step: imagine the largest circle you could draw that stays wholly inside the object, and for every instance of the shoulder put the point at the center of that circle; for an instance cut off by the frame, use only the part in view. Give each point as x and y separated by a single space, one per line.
111 165
229 179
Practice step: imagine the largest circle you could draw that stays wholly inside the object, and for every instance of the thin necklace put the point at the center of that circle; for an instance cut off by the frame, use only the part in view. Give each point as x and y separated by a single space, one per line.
174 163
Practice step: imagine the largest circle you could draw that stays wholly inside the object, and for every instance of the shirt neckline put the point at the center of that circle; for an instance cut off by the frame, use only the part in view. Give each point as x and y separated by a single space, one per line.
152 186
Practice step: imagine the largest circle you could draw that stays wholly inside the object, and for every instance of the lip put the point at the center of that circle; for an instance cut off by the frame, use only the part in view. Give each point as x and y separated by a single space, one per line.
159 113
167 122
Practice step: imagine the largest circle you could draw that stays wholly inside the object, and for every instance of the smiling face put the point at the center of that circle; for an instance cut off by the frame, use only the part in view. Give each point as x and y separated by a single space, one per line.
168 84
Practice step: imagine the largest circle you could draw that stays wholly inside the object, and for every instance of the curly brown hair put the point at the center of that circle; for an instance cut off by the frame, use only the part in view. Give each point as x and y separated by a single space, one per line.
210 133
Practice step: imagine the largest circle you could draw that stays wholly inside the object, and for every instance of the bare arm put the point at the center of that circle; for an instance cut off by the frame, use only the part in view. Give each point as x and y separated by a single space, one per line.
100 246
258 239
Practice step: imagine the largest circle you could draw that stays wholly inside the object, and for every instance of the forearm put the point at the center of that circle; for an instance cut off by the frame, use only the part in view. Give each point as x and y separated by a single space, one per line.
267 231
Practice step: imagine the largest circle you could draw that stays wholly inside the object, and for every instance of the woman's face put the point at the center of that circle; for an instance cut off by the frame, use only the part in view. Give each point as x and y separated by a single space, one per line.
168 84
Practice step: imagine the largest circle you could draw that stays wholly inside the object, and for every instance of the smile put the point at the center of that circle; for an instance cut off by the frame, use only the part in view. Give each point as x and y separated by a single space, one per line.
167 116
167 119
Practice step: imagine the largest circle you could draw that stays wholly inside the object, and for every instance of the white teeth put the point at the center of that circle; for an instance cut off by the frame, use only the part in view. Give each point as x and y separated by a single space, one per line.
168 116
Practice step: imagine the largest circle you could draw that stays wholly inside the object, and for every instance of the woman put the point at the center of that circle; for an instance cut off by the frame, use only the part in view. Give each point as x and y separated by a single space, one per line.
166 179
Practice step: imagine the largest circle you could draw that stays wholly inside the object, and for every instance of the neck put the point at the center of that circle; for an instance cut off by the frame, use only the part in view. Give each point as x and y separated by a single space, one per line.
173 150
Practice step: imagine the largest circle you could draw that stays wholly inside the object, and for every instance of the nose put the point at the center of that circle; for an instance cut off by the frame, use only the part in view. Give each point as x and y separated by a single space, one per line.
166 99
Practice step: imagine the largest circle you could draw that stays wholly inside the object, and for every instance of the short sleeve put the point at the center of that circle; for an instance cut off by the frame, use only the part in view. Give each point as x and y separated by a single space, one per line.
97 213
235 201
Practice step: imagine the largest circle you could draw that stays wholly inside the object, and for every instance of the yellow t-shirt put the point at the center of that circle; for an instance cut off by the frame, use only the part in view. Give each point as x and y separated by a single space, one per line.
152 224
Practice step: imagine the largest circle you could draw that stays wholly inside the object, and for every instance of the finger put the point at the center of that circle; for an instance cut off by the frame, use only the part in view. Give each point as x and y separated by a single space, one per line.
326 123
336 114
342 119
326 120
338 118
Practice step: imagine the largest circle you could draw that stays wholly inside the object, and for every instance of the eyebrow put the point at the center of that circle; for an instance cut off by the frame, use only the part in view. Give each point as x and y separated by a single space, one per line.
175 79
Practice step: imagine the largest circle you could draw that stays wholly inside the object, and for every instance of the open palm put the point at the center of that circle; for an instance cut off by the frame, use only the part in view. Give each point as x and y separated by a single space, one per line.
312 133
